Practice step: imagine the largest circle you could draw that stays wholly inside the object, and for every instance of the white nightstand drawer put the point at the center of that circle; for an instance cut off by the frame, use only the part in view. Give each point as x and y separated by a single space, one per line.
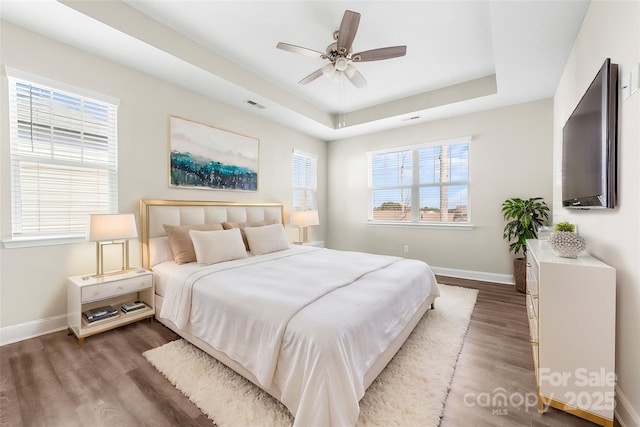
119 287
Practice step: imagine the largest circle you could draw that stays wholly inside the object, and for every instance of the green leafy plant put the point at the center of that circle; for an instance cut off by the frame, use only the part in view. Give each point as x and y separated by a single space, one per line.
565 226
524 217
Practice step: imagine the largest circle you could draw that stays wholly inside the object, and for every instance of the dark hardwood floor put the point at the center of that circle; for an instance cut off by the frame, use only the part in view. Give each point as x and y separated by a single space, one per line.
496 361
48 381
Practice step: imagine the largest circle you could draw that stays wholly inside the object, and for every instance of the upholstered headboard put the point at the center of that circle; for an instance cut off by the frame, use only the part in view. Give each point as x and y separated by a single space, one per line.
155 213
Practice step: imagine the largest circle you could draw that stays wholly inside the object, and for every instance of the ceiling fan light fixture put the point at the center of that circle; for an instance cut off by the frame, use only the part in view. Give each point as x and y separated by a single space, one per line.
341 64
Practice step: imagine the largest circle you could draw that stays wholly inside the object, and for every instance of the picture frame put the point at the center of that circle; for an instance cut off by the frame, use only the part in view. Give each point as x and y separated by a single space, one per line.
209 158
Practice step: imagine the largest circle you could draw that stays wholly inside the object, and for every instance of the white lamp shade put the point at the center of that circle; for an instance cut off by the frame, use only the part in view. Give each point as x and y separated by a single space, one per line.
112 227
341 64
305 218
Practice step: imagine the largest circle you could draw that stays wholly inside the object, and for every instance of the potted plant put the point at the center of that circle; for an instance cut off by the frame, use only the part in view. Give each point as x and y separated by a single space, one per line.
565 241
524 216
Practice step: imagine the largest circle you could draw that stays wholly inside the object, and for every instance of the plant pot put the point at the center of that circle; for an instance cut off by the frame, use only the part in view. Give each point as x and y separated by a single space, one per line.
566 244
520 274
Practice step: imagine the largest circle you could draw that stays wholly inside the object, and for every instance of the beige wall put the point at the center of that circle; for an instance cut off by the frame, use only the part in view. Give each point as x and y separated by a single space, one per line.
33 280
510 156
611 29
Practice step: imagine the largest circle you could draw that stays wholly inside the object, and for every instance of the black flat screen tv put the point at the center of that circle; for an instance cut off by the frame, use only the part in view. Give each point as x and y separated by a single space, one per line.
589 140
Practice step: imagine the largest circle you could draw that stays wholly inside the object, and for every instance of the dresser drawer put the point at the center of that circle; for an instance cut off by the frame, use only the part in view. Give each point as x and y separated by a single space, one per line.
532 281
532 308
533 264
112 289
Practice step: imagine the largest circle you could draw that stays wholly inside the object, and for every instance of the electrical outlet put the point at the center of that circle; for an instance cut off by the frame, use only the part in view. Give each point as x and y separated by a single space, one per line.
405 249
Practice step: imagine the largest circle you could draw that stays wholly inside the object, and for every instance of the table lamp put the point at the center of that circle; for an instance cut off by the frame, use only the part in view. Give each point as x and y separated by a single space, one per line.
304 219
112 229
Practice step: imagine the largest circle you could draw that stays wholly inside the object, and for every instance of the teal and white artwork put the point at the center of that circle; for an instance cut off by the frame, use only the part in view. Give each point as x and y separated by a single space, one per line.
206 157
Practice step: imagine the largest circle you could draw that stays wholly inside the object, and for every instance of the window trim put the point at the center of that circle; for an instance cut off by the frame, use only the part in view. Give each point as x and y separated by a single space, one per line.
40 241
12 75
415 201
458 226
24 75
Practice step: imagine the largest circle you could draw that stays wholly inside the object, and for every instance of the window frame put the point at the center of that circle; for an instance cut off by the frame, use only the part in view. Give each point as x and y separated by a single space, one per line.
414 186
105 164
312 188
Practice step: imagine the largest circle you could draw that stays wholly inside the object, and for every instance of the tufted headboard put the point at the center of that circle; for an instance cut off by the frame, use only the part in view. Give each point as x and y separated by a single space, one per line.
155 213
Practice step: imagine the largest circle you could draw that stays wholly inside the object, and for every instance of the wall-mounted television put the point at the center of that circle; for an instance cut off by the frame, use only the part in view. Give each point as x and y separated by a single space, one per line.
589 140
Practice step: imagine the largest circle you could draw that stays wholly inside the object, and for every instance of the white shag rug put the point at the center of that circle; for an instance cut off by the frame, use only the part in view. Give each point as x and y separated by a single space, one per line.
410 391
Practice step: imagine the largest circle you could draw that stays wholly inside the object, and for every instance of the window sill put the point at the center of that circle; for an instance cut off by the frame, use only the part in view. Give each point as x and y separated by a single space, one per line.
432 225
35 242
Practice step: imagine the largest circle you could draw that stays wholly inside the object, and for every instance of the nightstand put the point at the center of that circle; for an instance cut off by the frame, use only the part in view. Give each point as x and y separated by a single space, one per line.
88 292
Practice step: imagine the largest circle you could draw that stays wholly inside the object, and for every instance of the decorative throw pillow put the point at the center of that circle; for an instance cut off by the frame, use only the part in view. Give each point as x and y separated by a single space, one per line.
242 225
180 241
217 246
266 239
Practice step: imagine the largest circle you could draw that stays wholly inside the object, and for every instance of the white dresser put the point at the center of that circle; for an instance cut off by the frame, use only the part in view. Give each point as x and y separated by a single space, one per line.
571 304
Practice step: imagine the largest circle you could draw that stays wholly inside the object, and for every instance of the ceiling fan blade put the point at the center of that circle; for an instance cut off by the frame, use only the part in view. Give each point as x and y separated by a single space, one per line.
347 31
378 54
301 50
311 77
355 77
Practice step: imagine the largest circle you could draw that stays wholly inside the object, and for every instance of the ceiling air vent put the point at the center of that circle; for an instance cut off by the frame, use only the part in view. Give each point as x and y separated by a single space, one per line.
255 104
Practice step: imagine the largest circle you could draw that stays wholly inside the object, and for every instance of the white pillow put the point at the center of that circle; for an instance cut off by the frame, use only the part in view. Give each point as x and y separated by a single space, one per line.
159 250
217 246
266 239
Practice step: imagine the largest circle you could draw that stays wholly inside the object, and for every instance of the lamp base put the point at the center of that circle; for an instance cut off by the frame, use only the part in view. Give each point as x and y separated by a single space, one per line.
100 258
303 235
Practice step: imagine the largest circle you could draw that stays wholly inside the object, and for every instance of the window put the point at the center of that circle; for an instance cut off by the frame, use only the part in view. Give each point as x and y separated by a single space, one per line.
304 181
63 158
427 183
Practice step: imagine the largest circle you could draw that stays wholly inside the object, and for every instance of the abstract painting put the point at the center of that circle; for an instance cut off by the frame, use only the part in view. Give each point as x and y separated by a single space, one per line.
205 157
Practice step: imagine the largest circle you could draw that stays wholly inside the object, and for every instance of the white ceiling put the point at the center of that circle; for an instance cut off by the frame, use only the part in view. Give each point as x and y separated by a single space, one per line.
462 56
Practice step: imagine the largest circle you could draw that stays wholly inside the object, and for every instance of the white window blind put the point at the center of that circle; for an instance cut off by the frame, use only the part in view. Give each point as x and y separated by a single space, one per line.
304 181
427 183
63 159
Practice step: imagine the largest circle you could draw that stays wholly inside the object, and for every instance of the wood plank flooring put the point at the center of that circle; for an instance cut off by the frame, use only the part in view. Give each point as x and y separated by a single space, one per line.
48 381
496 361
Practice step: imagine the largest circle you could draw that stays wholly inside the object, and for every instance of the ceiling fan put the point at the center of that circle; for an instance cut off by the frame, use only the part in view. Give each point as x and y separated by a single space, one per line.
339 53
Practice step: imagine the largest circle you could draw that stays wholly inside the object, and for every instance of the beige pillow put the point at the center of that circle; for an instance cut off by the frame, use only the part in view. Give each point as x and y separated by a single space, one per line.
217 246
266 239
180 241
242 225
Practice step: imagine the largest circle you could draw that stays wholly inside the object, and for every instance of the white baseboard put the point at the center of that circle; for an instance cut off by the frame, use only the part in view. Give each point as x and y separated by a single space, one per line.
34 328
506 279
626 414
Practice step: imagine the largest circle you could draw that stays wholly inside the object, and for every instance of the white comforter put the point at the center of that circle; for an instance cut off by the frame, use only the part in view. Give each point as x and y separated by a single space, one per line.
309 322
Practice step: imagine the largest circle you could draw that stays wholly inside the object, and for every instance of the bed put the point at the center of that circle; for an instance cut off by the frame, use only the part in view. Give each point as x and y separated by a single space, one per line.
313 327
